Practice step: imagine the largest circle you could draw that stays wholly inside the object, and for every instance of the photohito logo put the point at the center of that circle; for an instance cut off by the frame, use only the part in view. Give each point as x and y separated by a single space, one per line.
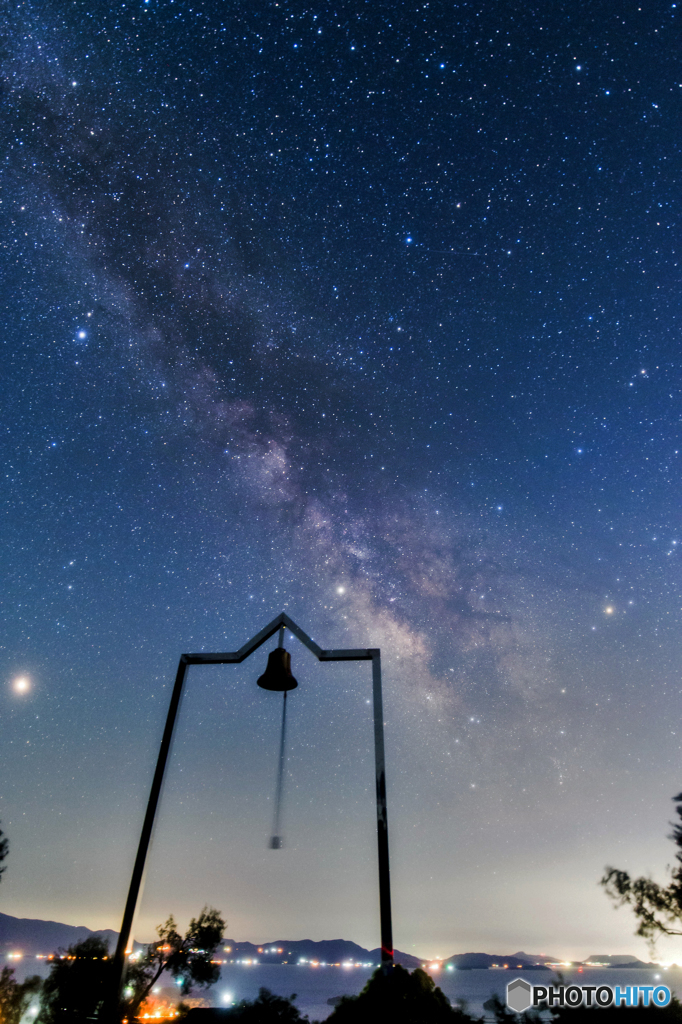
521 995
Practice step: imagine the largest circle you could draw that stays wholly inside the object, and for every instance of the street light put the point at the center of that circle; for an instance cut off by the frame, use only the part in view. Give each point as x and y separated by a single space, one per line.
277 676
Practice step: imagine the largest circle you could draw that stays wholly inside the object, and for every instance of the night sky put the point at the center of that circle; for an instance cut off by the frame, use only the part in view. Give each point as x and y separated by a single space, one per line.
369 313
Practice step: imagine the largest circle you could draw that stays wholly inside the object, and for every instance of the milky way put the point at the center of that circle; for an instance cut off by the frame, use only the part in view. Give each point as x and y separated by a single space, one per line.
370 314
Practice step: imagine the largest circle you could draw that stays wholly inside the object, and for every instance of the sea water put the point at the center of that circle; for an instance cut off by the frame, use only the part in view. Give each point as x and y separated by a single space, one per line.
315 985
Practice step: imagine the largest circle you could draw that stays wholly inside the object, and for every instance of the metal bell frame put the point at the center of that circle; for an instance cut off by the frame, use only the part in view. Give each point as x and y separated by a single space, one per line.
372 654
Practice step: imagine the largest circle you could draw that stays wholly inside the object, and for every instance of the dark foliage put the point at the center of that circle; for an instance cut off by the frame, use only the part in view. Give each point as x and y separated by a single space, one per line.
266 1009
77 984
398 998
501 1013
187 958
14 996
658 908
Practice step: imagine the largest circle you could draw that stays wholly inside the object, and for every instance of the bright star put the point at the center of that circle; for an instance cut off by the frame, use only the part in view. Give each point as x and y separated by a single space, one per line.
22 684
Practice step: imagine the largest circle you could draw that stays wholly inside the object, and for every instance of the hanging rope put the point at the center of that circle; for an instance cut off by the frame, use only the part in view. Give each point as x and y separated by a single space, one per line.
276 840
278 677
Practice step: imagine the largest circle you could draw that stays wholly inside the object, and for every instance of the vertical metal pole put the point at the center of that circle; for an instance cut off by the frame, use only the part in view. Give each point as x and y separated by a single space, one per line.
382 819
145 839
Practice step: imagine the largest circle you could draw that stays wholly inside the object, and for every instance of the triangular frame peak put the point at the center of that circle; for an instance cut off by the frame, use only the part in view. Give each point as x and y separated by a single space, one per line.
236 657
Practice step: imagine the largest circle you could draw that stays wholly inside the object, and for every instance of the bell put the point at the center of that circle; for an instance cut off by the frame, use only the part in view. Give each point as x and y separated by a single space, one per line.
277 675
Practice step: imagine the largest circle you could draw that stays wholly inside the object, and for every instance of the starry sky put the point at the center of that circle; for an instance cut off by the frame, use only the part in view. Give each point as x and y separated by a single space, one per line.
367 312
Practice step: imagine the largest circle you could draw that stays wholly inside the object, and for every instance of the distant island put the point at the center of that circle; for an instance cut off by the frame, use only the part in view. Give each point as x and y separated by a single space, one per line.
34 937
623 961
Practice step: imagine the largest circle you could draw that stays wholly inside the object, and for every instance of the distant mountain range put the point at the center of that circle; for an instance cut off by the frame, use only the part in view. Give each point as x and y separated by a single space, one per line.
34 937
21 934
330 951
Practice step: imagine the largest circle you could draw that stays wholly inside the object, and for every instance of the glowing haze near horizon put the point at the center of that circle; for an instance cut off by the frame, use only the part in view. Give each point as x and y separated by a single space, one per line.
369 313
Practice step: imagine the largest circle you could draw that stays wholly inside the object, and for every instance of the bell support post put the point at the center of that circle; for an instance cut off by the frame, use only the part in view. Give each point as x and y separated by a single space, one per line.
382 817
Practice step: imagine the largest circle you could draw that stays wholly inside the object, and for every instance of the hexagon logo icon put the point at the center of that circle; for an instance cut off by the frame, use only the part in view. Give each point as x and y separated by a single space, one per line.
518 995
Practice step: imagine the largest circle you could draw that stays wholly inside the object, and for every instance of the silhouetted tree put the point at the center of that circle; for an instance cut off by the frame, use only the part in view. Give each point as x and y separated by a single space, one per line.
4 850
399 998
15 996
501 1013
77 983
266 1009
658 908
188 959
